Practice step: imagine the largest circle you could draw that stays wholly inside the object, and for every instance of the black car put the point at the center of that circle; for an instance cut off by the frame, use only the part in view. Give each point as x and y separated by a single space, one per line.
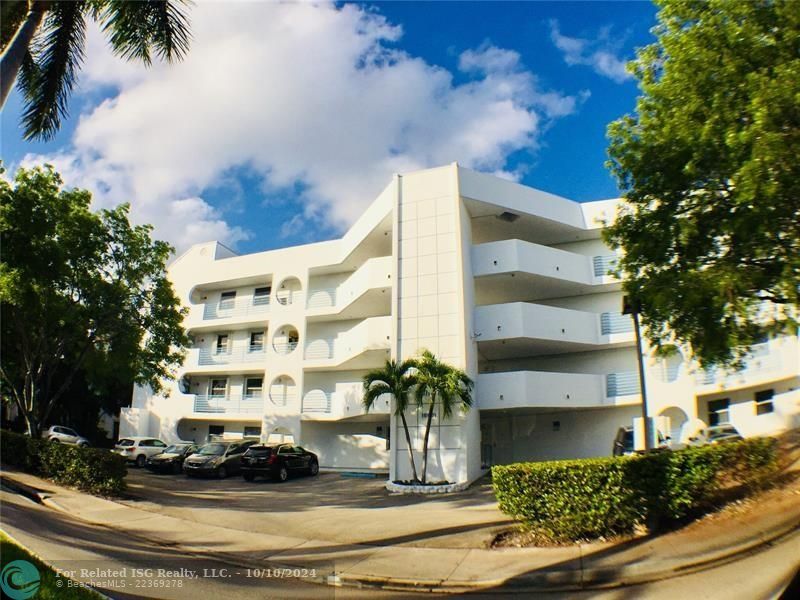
278 462
219 459
171 459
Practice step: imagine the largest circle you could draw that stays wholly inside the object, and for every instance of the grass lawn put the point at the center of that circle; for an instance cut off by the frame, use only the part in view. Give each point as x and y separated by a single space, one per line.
49 589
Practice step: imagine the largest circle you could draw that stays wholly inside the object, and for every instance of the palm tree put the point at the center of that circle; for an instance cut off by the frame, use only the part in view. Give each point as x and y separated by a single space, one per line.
43 47
439 382
395 379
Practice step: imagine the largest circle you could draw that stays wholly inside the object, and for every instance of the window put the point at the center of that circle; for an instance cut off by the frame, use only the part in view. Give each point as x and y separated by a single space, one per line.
216 430
227 300
252 431
218 387
253 386
158 444
222 344
764 404
261 295
718 411
257 341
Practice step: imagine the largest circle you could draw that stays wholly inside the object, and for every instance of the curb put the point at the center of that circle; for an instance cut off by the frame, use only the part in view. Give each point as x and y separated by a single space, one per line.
539 581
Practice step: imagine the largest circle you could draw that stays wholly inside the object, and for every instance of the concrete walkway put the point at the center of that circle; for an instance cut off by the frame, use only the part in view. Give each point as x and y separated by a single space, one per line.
700 545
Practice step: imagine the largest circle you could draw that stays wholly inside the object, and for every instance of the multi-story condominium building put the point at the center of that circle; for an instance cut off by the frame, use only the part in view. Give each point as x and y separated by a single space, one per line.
506 282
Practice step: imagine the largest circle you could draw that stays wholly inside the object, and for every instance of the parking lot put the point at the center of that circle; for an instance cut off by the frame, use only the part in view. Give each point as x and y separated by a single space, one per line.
327 507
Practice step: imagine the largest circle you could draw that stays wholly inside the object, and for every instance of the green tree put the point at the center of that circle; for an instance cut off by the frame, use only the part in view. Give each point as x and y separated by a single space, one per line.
395 379
438 382
709 167
79 292
43 47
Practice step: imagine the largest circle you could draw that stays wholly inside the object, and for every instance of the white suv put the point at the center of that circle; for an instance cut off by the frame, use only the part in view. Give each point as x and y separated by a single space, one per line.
64 435
137 449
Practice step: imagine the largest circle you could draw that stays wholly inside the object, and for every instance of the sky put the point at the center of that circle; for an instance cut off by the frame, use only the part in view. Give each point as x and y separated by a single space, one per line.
285 120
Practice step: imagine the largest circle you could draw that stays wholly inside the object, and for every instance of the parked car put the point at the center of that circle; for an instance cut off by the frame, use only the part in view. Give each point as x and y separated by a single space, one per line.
716 434
137 449
64 435
278 462
219 459
171 459
623 442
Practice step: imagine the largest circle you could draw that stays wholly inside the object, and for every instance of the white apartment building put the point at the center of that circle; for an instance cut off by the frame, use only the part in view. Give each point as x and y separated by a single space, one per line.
504 281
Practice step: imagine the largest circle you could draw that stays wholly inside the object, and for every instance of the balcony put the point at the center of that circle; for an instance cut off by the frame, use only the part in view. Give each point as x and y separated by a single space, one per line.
604 266
233 404
767 362
240 313
365 292
515 269
345 402
249 354
524 328
622 384
363 346
541 389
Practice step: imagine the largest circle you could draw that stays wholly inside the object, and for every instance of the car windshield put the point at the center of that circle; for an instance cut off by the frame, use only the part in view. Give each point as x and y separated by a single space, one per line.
125 443
212 450
175 449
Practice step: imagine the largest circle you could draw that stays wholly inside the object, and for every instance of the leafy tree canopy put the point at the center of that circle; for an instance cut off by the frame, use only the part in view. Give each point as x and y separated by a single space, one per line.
81 292
709 167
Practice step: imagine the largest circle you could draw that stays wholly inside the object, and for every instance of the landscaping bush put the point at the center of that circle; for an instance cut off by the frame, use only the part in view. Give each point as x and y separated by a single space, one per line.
580 499
88 469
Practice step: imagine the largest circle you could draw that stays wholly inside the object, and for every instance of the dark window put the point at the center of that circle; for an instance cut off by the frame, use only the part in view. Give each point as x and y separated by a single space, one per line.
227 300
256 341
159 444
145 443
718 411
222 344
219 387
253 387
261 295
764 404
252 431
216 429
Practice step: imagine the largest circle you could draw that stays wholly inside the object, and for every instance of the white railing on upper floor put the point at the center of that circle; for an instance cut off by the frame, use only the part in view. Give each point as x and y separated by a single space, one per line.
234 404
248 354
243 307
604 264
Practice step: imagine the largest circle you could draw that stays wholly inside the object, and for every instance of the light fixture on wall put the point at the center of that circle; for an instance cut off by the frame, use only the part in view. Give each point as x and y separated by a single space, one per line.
507 216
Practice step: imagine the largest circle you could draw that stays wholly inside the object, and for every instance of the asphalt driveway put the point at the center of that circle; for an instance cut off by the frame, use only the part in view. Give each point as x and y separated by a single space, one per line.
327 507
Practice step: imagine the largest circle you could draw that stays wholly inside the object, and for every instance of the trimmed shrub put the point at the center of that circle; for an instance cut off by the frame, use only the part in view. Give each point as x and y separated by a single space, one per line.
88 469
580 499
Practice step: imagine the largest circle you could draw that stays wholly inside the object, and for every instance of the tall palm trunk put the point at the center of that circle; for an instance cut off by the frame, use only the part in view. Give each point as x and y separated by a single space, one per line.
410 447
18 47
425 441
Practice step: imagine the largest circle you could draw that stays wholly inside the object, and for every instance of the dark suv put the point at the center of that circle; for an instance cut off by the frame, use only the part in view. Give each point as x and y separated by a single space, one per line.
219 459
278 462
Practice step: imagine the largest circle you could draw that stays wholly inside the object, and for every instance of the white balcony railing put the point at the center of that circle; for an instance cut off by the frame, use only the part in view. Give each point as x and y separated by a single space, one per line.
284 348
604 264
615 323
249 354
282 398
237 404
322 298
317 401
622 384
760 360
240 308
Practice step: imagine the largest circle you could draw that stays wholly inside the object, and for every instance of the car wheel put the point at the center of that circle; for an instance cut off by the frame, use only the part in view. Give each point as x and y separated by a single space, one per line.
176 469
249 477
55 440
222 472
83 445
140 460
313 468
283 474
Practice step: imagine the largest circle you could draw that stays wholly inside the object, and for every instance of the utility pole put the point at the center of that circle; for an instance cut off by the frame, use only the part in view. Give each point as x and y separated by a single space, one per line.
634 309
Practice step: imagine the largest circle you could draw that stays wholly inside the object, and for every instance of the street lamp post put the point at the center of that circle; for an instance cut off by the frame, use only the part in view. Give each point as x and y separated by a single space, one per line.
634 309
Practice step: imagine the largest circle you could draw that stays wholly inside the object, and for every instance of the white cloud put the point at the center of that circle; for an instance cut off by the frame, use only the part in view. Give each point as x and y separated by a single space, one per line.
600 53
308 96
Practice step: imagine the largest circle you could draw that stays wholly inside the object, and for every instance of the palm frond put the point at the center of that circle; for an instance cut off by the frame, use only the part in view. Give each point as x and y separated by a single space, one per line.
58 54
135 29
12 14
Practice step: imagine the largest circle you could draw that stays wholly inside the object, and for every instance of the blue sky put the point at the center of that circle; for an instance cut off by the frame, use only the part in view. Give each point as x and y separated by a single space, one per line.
284 122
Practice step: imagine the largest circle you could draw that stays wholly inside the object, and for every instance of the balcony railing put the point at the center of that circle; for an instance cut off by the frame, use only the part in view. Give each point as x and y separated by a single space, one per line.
604 264
321 348
615 323
760 360
622 384
322 298
282 398
239 308
317 401
284 348
229 404
253 353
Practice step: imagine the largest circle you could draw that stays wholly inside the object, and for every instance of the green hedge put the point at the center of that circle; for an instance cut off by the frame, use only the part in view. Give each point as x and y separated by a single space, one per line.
580 499
88 469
